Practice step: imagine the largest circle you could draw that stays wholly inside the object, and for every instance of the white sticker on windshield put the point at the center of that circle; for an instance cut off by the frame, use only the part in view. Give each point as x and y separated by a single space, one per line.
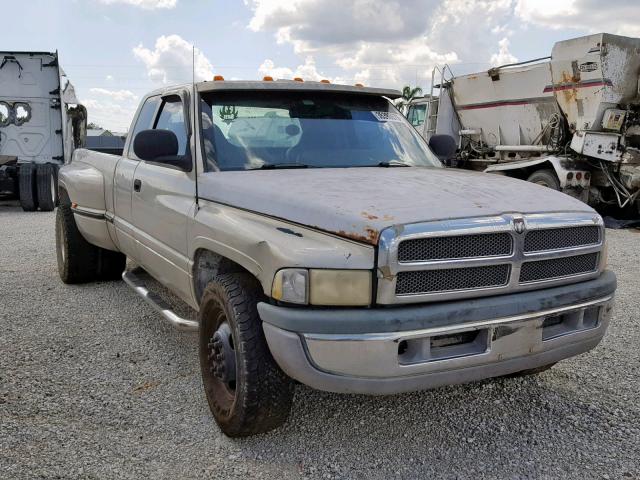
387 116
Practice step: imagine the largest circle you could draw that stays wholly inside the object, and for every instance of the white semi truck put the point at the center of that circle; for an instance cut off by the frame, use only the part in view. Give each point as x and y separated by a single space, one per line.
41 123
570 121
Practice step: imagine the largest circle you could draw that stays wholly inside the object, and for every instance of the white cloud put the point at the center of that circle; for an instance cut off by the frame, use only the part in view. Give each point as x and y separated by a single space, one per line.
616 16
387 42
306 71
146 4
503 56
111 109
171 61
116 95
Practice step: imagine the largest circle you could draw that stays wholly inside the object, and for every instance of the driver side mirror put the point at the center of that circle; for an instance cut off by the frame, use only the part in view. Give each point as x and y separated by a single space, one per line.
444 146
160 146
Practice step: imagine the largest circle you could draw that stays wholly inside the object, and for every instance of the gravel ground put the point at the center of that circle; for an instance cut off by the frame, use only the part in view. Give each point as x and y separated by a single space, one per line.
94 385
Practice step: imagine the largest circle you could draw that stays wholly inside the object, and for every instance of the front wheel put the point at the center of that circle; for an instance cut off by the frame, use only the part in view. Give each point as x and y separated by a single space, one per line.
247 392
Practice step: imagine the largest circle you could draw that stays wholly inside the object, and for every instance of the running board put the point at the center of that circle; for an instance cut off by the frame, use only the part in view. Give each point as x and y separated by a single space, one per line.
138 286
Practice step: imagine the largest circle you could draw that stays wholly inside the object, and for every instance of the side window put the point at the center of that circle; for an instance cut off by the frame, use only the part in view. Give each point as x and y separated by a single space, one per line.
145 120
172 118
416 114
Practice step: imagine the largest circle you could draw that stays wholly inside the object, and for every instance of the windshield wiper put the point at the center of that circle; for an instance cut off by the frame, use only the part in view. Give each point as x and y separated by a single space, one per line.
274 166
393 163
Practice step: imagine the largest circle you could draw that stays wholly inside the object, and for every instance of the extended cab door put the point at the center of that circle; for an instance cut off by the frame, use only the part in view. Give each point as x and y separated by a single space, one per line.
163 203
123 180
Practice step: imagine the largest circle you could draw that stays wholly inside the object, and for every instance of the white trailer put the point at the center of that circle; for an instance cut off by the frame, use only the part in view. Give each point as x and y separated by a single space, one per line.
41 123
570 121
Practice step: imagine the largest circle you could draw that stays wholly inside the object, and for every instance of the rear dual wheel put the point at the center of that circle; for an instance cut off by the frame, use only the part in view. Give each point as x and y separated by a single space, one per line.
246 390
38 186
78 260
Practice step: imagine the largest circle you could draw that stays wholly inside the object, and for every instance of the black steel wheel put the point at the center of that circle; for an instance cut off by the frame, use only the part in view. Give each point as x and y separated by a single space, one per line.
246 390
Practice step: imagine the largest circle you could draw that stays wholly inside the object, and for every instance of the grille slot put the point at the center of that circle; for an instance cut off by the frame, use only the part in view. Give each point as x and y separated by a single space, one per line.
446 280
558 267
559 238
453 247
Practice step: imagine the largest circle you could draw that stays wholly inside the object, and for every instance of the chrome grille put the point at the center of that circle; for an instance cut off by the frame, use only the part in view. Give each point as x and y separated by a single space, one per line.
481 256
559 238
558 267
451 279
452 247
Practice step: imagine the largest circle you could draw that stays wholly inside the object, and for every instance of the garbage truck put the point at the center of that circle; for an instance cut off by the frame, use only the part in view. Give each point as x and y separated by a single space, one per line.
41 123
570 121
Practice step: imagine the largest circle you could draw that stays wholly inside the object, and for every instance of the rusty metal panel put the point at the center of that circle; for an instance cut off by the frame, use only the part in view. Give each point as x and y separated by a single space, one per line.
358 203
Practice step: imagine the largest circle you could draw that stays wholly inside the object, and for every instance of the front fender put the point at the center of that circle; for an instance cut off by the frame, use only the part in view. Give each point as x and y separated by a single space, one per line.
263 245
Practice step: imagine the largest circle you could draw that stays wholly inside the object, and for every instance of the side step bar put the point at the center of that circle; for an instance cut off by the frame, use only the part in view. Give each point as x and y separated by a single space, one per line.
138 286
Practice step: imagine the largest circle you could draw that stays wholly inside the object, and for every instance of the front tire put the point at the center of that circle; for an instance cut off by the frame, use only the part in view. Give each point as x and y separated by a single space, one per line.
246 390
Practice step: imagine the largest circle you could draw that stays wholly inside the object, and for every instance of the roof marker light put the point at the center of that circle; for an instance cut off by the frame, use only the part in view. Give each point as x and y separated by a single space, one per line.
267 78
298 79
359 85
218 78
324 80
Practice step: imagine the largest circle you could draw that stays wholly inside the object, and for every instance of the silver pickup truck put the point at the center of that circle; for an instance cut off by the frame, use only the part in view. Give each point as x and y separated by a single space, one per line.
320 240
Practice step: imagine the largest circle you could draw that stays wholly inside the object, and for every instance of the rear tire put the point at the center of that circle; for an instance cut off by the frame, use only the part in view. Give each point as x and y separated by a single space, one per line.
545 178
27 187
246 390
47 186
77 258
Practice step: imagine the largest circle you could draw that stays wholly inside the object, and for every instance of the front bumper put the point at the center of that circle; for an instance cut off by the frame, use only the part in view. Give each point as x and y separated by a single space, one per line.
390 350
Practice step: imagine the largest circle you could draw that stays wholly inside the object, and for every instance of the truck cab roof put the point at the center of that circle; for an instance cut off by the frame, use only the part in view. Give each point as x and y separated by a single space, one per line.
285 85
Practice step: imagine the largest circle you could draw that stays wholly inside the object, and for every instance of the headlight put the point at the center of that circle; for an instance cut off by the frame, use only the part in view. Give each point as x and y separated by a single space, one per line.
291 285
323 287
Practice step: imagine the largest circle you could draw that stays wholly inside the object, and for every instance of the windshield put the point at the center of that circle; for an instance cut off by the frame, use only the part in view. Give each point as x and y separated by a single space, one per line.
252 130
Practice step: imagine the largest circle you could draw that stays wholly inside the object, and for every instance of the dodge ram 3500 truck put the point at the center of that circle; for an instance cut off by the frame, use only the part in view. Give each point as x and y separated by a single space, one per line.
320 240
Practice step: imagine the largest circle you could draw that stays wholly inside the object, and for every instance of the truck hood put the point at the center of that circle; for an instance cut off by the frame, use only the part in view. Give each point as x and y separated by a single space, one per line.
359 203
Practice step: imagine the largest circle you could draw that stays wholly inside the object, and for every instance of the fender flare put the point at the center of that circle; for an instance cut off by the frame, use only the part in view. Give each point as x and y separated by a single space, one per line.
561 165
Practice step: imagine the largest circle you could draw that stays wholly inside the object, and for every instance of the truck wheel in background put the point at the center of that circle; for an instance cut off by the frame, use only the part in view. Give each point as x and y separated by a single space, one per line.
246 390
546 178
47 186
27 186
77 258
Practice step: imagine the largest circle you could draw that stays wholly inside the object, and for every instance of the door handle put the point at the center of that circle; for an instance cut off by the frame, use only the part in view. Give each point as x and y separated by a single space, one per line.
137 185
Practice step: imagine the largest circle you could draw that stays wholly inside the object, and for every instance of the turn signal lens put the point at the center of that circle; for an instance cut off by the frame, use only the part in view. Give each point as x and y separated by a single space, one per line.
290 285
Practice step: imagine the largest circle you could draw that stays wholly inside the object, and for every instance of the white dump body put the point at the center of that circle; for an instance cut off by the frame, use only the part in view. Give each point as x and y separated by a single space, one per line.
589 80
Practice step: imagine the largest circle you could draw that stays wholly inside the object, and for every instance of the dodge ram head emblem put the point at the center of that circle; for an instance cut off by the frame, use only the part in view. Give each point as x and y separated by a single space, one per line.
518 225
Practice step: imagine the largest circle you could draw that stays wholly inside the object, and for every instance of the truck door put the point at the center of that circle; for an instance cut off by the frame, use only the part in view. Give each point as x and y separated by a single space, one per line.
123 180
163 201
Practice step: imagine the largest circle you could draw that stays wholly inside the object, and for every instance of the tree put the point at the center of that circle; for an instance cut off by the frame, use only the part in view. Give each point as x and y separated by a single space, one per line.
409 94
